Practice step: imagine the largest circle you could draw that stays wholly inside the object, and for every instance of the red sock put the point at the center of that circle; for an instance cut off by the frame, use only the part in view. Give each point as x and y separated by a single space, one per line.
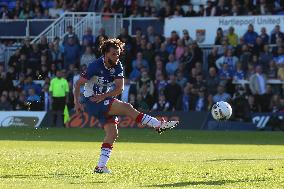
139 118
107 145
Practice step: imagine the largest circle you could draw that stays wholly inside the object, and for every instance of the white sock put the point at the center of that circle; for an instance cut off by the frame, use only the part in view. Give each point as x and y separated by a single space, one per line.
150 121
104 157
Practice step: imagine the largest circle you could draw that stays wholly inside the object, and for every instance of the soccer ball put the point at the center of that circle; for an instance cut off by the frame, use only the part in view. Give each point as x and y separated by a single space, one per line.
221 111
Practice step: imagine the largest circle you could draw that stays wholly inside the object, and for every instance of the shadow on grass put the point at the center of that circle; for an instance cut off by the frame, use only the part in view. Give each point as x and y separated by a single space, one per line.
194 183
252 159
142 136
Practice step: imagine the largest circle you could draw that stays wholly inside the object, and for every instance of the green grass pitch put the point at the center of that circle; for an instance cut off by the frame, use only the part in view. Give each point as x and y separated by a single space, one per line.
64 158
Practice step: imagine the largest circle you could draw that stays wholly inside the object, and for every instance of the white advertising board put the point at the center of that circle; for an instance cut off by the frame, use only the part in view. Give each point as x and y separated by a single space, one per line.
21 118
203 29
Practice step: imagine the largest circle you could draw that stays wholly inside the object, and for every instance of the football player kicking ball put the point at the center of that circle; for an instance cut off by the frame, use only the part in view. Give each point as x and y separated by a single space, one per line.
103 81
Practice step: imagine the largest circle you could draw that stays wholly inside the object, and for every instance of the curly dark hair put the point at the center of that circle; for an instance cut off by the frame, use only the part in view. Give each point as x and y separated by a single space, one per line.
111 43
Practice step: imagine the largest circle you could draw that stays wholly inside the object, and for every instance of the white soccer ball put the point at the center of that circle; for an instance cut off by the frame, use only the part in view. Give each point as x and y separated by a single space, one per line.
221 110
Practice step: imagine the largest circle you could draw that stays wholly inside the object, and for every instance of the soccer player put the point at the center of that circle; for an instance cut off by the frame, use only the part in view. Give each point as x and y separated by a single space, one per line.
103 81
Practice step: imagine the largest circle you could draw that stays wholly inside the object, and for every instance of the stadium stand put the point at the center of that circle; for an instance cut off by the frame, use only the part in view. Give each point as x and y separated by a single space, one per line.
159 70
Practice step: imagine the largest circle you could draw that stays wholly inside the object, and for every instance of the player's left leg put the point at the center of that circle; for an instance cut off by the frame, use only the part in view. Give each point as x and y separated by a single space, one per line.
106 148
120 108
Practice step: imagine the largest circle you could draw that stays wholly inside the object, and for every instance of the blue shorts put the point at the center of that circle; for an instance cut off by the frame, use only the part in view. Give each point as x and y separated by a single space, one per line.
100 110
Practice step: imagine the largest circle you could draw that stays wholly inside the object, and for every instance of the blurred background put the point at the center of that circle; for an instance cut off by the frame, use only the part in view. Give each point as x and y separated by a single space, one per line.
181 57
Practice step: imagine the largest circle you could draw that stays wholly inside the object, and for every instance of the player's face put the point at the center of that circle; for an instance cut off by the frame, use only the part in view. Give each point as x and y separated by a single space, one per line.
112 56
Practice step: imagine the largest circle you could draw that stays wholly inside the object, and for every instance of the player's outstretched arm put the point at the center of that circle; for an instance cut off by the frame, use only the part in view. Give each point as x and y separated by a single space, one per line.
78 106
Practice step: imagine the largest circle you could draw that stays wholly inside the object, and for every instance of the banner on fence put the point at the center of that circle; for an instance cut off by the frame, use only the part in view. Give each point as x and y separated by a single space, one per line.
21 118
203 29
188 120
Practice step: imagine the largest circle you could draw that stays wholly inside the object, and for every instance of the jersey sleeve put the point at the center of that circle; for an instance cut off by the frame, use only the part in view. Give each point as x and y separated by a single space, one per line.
90 72
118 72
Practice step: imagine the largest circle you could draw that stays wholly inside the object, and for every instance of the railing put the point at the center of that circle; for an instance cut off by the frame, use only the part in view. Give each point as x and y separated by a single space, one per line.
20 29
80 22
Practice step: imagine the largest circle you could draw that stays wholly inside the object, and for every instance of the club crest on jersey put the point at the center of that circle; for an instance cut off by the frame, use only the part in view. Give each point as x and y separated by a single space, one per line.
106 102
112 70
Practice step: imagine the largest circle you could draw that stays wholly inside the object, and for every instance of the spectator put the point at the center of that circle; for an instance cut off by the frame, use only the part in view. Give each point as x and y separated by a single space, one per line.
149 55
160 82
225 74
57 56
172 65
59 90
212 57
221 95
140 62
271 72
187 40
276 34
141 103
4 13
250 36
200 83
181 79
232 37
20 103
88 36
239 74
45 98
228 59
150 34
190 12
264 36
146 96
184 100
33 100
56 11
240 105
88 56
245 57
257 83
212 81
26 13
146 80
265 57
163 53
172 91
162 104
180 49
43 44
201 101
70 34
5 105
29 83
219 36
71 52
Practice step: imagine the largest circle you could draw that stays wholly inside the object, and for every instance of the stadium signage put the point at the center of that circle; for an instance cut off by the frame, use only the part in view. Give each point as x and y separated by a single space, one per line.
209 25
21 118
188 120
81 120
265 120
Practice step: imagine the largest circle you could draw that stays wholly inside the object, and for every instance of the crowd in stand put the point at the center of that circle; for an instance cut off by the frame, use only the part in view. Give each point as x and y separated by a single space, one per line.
190 8
39 9
164 74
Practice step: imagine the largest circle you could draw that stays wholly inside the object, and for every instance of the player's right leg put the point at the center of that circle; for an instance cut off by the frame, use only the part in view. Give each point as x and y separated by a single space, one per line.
106 149
120 108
